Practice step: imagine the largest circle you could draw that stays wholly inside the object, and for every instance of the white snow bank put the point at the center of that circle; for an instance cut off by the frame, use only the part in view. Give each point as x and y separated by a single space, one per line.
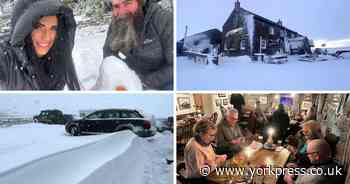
144 162
21 144
334 50
88 54
72 166
245 75
345 55
197 42
115 73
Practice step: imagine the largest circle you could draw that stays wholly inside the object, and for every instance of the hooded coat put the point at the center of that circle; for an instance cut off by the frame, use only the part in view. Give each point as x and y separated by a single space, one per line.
20 68
152 60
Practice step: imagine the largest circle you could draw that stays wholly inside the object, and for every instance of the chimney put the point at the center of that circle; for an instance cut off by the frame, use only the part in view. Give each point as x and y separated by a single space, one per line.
237 5
279 22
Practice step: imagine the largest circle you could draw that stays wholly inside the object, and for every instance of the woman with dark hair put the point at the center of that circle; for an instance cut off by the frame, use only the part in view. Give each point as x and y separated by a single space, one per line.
38 53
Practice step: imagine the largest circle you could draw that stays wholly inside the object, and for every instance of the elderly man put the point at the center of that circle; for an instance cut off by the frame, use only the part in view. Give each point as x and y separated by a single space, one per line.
310 130
141 34
229 136
319 153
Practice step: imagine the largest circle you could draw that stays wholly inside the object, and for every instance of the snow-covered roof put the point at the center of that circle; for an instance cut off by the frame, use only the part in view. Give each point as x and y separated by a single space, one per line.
204 40
300 38
256 16
233 31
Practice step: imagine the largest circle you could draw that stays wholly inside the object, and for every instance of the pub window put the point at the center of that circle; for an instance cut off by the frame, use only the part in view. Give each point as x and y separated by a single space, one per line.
272 31
196 42
230 43
243 44
263 44
282 33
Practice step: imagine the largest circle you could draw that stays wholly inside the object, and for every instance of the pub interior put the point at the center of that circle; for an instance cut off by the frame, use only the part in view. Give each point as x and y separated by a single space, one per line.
220 137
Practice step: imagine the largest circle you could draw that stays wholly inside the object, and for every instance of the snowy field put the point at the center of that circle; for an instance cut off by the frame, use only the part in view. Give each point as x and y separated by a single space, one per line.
38 153
143 163
239 73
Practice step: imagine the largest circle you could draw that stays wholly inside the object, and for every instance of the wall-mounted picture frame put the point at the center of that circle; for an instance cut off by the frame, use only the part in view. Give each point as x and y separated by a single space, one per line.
336 98
263 100
221 95
218 102
184 103
225 101
305 105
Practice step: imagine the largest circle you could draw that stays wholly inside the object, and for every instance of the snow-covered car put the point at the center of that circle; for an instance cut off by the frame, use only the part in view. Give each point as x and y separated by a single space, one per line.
111 120
345 54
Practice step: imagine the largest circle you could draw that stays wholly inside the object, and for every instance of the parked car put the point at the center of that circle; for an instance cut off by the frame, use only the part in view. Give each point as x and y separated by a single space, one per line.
111 120
53 116
166 124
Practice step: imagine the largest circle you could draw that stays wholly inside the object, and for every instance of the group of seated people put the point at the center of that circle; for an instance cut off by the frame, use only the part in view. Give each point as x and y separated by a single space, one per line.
311 149
213 143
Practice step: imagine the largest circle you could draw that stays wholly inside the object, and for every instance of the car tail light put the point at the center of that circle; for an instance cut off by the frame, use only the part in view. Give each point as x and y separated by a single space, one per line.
146 125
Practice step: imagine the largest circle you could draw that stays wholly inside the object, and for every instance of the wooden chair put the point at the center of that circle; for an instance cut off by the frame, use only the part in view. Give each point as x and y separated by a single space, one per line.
180 168
184 134
345 158
181 179
347 179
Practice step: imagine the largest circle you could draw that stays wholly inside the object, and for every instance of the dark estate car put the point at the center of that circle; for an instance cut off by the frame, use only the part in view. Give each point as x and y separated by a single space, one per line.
111 120
53 116
166 124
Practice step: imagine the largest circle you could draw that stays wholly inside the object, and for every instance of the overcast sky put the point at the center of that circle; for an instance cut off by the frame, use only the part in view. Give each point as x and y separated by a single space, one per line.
317 19
160 105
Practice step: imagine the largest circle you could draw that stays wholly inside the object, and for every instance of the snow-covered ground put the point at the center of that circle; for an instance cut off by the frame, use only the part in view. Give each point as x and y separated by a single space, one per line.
21 144
37 153
240 73
143 163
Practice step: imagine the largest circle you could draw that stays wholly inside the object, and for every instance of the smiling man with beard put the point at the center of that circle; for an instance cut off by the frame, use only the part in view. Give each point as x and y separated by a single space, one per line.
141 34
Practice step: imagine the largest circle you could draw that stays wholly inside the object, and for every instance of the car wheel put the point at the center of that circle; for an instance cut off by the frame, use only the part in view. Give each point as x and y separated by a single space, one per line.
35 120
73 130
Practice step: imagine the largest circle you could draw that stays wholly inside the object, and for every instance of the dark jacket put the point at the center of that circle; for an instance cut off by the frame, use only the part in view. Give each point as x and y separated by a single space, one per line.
225 133
20 68
152 60
280 120
237 100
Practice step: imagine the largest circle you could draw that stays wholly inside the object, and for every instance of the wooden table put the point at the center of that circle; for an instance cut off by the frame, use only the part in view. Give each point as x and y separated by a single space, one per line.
261 56
260 157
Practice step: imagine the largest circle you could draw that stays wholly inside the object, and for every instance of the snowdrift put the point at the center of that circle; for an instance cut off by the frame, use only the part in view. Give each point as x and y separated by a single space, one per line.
143 162
115 73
